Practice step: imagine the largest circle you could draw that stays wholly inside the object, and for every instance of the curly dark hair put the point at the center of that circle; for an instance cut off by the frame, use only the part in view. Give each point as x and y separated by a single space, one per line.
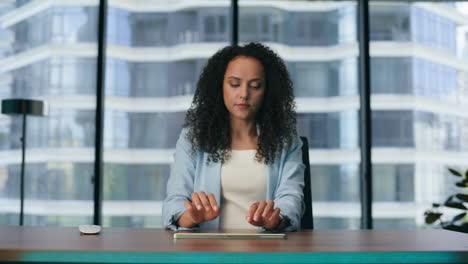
208 120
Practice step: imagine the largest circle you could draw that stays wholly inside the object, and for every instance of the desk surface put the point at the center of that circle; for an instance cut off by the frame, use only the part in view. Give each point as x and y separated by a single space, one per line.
125 245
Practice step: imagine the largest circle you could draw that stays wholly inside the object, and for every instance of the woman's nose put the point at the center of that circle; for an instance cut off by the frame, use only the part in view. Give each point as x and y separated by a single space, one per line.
244 92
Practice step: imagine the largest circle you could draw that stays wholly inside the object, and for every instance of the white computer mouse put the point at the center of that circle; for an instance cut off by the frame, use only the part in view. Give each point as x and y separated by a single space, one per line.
90 229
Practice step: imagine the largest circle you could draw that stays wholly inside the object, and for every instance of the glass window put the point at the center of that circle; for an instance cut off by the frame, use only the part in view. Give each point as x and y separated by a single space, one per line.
118 27
150 79
152 29
392 129
317 79
319 29
312 39
155 54
395 223
56 76
60 156
336 223
337 183
334 186
393 183
147 97
329 130
183 26
389 23
418 106
55 25
214 24
383 72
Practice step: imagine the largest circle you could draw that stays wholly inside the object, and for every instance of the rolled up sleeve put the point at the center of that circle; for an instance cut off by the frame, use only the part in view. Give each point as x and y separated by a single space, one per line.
180 184
289 193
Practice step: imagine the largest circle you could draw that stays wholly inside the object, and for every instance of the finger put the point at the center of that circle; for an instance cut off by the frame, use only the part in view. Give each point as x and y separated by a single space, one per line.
273 221
268 209
252 222
259 211
204 200
196 201
251 212
188 205
275 214
213 202
190 209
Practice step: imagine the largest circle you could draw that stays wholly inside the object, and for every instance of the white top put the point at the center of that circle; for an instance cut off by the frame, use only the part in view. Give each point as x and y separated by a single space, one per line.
243 182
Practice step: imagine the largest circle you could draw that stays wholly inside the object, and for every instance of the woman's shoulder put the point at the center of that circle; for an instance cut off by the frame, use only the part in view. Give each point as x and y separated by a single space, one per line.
184 132
295 143
186 141
184 138
290 147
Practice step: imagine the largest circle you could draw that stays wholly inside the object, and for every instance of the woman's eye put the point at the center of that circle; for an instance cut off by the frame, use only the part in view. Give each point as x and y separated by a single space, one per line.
235 85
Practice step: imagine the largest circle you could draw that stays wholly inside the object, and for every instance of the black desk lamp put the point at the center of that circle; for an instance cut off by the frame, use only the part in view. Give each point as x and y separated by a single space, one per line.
22 107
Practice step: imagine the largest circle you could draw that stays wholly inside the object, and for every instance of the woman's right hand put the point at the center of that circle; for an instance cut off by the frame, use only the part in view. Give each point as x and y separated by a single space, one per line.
202 208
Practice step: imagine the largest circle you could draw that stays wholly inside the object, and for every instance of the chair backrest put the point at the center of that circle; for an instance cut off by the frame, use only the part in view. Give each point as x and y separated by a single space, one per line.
307 221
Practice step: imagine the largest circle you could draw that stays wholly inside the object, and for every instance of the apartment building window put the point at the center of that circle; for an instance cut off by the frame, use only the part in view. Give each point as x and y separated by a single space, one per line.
262 25
321 29
149 79
183 27
70 76
118 78
76 24
41 62
77 75
383 79
392 129
214 24
440 132
389 23
183 76
393 182
152 29
316 79
30 33
143 127
64 129
327 137
433 30
118 27
335 183
135 188
435 80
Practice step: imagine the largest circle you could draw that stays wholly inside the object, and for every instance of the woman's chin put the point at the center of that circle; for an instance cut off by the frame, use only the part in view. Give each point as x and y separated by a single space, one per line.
242 116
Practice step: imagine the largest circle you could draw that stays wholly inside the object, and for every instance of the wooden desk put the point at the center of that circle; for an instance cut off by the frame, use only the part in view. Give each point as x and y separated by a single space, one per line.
125 245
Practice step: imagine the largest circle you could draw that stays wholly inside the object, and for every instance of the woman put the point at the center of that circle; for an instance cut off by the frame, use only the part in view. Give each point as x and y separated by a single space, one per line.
238 160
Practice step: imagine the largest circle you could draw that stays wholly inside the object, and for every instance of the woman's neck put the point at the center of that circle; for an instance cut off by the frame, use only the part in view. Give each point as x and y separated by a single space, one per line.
241 129
243 135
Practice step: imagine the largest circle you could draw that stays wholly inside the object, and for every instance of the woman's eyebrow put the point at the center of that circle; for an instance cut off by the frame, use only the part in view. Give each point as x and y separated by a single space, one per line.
232 77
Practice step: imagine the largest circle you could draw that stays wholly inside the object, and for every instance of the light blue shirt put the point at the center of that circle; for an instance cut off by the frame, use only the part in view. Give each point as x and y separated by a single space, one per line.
191 173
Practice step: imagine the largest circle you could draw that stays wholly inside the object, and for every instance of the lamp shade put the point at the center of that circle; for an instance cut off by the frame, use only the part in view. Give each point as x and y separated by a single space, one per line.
22 106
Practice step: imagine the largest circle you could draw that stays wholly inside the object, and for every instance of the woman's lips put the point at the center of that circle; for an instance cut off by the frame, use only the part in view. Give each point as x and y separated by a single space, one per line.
243 105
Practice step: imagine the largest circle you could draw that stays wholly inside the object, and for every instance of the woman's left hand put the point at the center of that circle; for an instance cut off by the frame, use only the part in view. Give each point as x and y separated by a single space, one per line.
262 214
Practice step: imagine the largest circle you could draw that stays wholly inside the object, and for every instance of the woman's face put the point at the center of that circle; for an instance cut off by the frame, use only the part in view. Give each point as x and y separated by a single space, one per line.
243 87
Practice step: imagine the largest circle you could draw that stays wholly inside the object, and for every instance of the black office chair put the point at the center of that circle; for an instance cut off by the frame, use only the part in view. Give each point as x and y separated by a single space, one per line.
307 221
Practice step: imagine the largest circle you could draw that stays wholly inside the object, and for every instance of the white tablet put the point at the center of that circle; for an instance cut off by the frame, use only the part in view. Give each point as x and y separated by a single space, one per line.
228 236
